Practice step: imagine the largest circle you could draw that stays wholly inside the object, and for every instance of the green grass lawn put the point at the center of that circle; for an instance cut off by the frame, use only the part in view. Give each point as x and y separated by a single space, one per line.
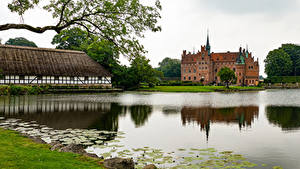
198 88
18 152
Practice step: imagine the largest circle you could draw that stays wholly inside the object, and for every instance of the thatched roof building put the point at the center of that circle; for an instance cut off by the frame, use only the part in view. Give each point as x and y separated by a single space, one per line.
57 66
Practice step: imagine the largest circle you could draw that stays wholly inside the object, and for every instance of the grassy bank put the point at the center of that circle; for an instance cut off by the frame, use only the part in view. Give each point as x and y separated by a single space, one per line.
20 152
198 88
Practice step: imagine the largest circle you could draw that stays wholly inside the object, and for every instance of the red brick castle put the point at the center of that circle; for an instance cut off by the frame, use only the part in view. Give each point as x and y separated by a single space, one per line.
204 65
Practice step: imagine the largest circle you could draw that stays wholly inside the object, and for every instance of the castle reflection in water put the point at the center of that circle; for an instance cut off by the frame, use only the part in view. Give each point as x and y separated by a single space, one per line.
204 116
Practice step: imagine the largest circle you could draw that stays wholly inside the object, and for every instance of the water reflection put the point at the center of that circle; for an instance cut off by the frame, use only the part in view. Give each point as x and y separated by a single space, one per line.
204 116
58 113
288 118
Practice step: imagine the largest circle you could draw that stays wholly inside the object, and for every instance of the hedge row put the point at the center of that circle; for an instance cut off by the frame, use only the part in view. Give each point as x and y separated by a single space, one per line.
22 90
283 79
179 83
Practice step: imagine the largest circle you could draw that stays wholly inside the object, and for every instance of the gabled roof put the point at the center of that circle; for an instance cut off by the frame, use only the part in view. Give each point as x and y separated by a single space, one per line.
17 60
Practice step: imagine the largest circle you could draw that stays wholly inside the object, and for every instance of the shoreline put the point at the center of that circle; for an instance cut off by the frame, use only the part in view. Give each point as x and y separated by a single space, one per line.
199 89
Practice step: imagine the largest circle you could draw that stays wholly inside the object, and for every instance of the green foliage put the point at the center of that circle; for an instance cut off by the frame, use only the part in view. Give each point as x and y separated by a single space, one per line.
227 75
294 52
170 67
140 71
20 41
20 152
121 22
284 61
22 90
72 39
180 83
283 79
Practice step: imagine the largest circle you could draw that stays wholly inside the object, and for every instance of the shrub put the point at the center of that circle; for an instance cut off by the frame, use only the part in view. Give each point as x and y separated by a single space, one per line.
283 79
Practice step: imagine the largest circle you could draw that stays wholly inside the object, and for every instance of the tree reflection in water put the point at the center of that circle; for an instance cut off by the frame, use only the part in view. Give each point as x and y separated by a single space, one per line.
288 118
59 113
204 116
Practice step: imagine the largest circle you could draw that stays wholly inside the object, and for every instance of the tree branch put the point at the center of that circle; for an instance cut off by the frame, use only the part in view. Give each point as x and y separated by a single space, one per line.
29 27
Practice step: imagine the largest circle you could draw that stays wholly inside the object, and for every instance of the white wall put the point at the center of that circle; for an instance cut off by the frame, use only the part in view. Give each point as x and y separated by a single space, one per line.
52 80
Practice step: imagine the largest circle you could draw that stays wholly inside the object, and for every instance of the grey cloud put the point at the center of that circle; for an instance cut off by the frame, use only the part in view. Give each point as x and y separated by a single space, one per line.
252 6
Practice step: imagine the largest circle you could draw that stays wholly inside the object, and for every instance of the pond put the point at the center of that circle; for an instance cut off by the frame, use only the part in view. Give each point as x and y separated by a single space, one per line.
263 126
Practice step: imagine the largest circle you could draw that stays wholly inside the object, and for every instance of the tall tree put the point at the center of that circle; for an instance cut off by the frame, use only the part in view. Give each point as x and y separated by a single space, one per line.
20 41
120 21
170 67
294 52
142 72
278 63
227 76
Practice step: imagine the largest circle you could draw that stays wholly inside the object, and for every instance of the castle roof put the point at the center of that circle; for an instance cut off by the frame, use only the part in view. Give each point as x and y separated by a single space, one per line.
17 60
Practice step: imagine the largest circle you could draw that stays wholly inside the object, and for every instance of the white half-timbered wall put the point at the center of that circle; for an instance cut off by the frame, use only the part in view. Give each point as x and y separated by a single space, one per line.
13 79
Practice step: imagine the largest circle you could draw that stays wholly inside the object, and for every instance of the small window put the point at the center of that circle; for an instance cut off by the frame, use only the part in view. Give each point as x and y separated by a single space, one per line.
189 78
189 70
22 77
99 78
195 78
2 77
216 70
234 69
86 78
39 77
194 70
72 78
184 78
56 78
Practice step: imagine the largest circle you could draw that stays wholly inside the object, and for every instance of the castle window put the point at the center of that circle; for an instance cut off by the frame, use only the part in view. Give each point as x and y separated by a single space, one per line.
216 70
189 70
233 69
194 70
184 78
195 78
189 78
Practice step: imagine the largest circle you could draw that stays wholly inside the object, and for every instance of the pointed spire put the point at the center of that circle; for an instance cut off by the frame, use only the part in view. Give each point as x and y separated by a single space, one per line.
247 52
207 43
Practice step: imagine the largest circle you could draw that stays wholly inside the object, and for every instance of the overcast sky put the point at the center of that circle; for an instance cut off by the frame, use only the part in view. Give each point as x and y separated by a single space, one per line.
262 24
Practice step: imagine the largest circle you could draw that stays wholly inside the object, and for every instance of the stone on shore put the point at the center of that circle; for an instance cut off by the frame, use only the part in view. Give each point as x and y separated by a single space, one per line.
150 166
119 163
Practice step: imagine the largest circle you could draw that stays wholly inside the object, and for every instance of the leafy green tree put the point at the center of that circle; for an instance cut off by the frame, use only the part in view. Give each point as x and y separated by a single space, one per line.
72 39
294 52
227 76
20 41
278 63
122 22
142 72
170 67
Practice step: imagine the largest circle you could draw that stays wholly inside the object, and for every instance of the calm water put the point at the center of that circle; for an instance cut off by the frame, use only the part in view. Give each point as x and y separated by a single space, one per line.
263 126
